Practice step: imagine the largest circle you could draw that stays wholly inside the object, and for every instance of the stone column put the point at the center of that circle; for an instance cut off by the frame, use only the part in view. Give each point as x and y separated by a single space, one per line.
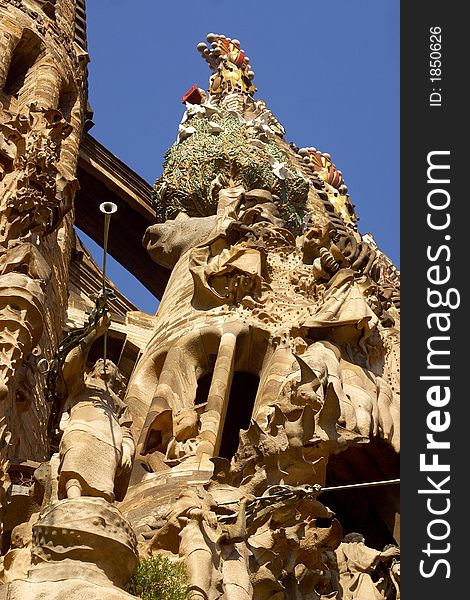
213 418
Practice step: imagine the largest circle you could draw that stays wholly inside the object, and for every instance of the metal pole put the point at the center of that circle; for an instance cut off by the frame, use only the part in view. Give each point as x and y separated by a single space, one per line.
108 209
360 485
336 488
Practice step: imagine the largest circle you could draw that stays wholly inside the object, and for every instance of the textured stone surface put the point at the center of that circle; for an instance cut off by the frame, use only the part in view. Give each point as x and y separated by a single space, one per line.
288 296
270 372
42 110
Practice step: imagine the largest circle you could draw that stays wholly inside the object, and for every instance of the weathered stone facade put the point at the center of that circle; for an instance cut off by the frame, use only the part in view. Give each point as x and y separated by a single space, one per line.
212 432
43 98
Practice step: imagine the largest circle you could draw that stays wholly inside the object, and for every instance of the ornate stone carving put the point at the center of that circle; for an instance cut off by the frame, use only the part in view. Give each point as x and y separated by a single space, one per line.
79 536
17 561
79 546
96 447
232 72
272 278
41 118
261 554
35 193
83 530
23 278
240 270
274 355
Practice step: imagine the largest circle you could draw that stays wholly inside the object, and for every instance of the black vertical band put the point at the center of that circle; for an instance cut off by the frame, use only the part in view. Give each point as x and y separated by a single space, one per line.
434 239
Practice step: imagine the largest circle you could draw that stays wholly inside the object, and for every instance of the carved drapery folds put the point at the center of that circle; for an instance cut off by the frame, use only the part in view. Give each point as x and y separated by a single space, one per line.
327 315
358 569
96 447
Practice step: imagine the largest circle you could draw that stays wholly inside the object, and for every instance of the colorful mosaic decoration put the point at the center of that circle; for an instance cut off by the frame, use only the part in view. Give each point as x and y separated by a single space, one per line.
231 69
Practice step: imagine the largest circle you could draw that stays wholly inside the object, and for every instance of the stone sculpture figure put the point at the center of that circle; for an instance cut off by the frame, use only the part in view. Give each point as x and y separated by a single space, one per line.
81 544
356 561
17 560
394 573
260 554
191 530
389 577
96 448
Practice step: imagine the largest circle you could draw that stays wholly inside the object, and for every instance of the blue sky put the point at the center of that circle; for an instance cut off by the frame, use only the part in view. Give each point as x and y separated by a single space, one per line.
329 71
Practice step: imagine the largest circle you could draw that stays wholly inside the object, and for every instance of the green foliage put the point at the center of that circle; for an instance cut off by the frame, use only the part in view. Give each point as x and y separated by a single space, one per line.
192 164
157 578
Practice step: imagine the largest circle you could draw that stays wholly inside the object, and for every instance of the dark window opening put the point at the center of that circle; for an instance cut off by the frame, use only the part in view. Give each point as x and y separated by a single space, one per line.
6 542
372 511
25 55
67 101
81 6
80 24
203 386
154 442
240 408
48 7
324 522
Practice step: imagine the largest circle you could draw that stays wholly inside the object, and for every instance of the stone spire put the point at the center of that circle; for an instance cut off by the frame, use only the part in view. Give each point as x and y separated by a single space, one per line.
238 137
273 354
